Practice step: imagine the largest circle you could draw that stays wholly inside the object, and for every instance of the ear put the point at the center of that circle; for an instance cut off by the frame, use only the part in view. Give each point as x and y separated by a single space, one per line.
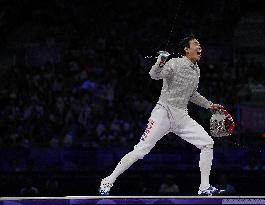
186 49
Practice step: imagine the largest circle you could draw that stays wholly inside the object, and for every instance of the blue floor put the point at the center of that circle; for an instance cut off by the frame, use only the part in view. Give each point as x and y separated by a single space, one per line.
130 200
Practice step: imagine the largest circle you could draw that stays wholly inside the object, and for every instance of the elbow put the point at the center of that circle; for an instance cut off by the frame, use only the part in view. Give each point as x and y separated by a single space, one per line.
153 76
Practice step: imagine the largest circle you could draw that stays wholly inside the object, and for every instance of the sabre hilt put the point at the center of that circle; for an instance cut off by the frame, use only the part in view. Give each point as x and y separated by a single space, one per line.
164 55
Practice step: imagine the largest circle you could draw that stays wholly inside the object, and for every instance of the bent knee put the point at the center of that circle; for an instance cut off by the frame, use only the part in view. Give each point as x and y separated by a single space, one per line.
208 143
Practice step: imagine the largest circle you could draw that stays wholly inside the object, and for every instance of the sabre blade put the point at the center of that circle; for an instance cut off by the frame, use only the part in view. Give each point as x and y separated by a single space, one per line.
171 30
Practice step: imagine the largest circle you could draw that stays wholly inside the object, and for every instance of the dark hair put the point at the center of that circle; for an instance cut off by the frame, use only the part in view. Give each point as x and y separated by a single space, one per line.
185 42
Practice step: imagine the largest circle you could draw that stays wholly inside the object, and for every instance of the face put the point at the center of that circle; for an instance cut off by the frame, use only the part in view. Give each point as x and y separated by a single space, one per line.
194 52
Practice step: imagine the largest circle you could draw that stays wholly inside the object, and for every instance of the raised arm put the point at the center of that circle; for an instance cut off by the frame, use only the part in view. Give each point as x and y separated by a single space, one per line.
161 69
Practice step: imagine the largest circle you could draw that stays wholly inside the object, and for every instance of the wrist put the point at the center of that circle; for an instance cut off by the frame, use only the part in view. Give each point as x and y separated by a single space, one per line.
210 105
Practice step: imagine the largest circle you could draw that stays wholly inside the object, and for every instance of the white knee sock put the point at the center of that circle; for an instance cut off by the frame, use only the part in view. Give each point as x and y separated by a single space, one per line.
122 166
206 157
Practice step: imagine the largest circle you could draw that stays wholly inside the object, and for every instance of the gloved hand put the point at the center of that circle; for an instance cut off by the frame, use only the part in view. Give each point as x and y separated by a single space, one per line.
162 58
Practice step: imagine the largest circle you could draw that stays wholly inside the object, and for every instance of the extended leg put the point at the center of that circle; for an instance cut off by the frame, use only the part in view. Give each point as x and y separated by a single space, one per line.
157 127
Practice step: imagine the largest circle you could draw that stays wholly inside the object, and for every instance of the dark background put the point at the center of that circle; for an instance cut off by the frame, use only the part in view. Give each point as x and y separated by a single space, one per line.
75 94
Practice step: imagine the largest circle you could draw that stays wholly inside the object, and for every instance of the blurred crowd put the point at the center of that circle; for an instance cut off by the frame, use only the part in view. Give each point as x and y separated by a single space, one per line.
83 79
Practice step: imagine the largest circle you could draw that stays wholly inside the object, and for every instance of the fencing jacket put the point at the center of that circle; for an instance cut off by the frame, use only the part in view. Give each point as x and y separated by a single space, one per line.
180 82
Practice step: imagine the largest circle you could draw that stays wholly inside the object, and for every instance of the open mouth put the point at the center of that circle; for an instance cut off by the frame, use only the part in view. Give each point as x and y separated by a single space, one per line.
199 53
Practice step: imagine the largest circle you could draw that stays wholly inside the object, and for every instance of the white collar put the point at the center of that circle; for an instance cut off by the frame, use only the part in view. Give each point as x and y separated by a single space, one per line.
191 64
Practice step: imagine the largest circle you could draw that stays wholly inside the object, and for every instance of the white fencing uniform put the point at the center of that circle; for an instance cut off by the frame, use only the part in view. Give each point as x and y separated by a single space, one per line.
180 82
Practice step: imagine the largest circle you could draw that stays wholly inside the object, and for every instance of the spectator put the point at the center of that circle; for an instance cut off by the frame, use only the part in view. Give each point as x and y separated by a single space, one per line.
52 187
29 189
169 187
